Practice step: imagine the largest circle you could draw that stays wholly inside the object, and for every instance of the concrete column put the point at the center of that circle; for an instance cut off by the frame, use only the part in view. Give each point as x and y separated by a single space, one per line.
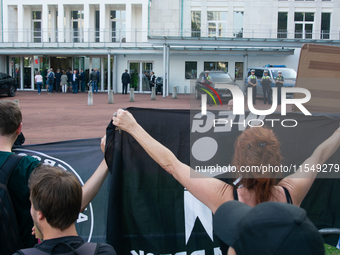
53 24
90 65
68 31
45 22
145 22
115 74
32 73
164 69
128 22
102 73
108 72
86 22
290 22
5 24
61 27
102 22
245 68
20 23
167 69
21 82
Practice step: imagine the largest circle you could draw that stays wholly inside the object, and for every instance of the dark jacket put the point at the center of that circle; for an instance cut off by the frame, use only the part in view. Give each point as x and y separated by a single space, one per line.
125 78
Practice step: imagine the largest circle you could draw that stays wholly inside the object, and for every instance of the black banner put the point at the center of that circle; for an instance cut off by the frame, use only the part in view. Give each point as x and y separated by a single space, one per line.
82 158
151 213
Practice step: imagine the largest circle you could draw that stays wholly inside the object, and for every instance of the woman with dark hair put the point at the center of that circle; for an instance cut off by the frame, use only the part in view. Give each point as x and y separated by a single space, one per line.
253 147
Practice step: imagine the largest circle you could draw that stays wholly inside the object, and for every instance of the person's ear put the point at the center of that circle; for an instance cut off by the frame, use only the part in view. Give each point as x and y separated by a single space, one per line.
19 129
40 215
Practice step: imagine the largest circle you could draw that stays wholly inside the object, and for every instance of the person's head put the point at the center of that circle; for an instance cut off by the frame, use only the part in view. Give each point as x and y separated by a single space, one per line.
206 73
92 70
38 73
64 73
257 146
265 72
81 70
267 228
127 70
279 73
252 71
51 69
74 71
58 70
152 72
230 105
55 195
96 69
10 118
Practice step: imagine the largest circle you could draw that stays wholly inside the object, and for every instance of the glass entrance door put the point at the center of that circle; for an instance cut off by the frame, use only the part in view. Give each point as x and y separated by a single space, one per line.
140 73
134 75
146 74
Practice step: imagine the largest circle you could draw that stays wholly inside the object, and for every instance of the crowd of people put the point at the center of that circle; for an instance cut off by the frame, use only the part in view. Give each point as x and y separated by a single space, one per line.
260 216
67 81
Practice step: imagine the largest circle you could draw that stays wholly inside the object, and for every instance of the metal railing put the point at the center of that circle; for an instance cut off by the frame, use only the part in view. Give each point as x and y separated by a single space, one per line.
122 36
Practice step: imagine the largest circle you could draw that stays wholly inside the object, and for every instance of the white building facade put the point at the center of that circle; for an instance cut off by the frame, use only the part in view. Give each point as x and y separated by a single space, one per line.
176 39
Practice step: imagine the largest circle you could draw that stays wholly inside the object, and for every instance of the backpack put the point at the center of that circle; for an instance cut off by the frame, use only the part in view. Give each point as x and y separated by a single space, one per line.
51 78
85 249
9 230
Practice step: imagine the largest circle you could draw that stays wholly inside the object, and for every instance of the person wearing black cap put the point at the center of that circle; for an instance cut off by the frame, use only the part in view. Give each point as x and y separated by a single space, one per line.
266 87
252 82
268 228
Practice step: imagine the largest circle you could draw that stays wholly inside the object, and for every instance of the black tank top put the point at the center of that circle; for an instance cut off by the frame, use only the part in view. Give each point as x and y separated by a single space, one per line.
288 197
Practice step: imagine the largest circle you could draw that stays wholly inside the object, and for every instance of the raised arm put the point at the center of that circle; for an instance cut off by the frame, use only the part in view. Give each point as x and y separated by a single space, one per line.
210 191
92 186
300 182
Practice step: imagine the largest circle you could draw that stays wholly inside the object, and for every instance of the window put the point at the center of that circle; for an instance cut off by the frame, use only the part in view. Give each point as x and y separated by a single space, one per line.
304 25
195 24
238 24
217 24
216 66
36 26
97 27
239 70
118 25
77 22
325 25
190 70
282 25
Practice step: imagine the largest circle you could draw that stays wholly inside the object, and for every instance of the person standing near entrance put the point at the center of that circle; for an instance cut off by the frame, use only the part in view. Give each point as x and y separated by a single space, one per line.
266 87
57 80
38 81
82 80
69 78
75 78
252 82
63 82
279 84
50 80
94 79
125 81
98 78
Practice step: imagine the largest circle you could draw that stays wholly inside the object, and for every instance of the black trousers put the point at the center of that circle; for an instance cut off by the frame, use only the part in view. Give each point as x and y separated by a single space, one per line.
279 94
124 88
267 93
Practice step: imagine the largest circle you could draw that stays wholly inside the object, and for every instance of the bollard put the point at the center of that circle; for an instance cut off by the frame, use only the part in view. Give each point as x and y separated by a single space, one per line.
90 98
16 101
174 93
153 93
185 89
132 95
110 97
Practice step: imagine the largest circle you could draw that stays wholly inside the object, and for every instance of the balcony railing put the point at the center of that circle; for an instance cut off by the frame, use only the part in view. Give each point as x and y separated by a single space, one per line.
122 36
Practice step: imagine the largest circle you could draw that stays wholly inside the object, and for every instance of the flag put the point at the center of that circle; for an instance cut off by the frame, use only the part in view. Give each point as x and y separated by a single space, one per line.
149 212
